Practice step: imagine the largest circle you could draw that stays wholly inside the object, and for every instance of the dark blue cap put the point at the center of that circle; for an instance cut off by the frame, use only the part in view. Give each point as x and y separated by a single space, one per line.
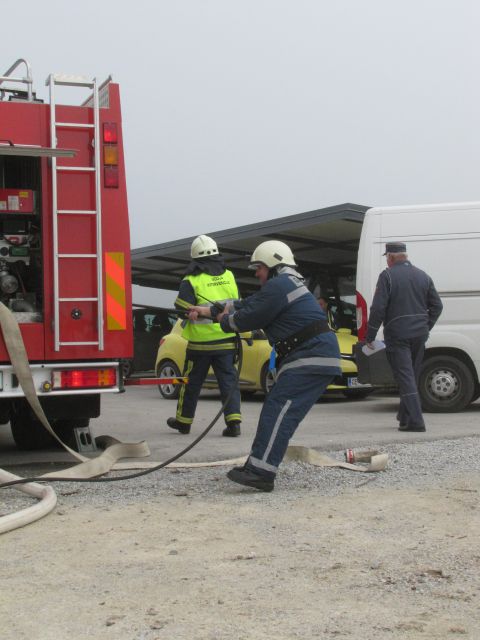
395 247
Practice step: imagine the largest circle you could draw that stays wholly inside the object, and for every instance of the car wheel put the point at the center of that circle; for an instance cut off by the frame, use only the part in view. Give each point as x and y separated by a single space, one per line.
168 369
446 385
266 379
126 368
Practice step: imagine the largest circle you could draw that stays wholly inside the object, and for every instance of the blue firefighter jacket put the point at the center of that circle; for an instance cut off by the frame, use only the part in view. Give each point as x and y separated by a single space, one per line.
405 301
283 307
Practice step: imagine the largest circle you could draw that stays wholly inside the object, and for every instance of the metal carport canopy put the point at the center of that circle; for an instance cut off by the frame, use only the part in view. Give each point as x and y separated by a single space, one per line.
321 240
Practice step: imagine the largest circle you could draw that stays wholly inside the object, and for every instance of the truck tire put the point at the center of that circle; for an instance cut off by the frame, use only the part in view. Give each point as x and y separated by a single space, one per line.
446 385
29 433
168 369
64 428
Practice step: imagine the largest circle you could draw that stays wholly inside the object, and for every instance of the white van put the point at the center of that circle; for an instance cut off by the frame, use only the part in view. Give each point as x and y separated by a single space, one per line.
444 241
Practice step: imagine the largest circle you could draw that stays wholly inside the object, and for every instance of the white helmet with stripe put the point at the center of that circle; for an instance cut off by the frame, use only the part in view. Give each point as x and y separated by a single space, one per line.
272 253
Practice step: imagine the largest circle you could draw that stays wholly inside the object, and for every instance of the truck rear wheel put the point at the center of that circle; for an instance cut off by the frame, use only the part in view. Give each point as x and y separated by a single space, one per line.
29 433
446 385
64 428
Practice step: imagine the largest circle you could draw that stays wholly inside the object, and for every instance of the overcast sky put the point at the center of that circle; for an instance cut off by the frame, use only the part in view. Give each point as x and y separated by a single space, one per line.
240 111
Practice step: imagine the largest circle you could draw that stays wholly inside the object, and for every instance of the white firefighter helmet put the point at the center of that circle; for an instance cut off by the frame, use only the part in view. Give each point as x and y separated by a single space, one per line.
203 246
272 253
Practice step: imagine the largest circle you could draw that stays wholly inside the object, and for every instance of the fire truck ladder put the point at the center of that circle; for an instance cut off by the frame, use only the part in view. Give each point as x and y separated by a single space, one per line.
76 81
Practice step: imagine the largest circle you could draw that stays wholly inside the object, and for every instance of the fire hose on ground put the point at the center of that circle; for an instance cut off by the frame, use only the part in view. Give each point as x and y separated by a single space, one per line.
93 469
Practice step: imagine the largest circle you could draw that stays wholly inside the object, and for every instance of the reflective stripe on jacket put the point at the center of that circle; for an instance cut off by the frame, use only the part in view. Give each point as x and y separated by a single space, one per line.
283 307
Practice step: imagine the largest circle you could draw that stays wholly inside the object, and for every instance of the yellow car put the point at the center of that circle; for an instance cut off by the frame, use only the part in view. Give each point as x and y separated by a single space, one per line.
255 374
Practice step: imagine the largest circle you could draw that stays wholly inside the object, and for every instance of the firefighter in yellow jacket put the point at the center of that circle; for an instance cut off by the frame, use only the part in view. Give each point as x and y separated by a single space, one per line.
207 279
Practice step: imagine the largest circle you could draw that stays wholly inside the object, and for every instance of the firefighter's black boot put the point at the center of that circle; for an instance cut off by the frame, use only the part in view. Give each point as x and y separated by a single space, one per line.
181 428
249 478
232 430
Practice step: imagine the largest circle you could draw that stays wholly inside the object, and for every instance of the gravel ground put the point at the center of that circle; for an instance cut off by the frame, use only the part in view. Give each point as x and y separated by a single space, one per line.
187 554
418 465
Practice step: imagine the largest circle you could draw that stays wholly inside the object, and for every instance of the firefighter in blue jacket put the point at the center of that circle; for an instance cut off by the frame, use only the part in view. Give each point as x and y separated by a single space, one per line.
408 305
207 279
308 357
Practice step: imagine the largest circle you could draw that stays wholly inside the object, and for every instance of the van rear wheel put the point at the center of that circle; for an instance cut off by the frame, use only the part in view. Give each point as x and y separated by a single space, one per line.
446 385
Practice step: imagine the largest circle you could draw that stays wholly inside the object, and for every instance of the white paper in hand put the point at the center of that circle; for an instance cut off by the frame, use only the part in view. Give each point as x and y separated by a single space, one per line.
378 345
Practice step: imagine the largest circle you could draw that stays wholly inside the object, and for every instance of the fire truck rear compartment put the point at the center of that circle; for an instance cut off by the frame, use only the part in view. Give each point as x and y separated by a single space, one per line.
20 238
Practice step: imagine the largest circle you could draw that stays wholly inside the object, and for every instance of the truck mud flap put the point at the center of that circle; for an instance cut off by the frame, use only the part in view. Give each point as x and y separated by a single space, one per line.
373 369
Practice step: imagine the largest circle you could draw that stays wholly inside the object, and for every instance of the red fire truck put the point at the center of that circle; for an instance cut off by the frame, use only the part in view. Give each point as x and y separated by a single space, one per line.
64 250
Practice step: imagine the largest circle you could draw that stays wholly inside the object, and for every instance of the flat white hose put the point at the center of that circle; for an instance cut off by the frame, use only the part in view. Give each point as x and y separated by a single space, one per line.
88 468
44 493
114 450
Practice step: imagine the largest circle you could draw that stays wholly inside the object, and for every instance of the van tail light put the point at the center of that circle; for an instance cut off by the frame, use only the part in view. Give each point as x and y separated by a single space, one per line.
362 317
84 378
162 340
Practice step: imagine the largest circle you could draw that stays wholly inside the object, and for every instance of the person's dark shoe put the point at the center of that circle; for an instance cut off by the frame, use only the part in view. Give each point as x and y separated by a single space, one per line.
181 428
248 477
404 427
232 430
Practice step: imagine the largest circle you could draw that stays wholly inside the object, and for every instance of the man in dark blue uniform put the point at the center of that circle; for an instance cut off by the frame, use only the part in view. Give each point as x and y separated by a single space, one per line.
408 305
308 356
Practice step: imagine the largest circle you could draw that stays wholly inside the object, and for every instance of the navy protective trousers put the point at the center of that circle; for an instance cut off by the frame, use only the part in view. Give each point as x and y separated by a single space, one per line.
196 369
289 401
406 357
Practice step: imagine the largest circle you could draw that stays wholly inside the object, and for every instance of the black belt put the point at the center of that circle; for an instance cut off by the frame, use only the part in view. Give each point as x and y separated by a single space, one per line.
287 345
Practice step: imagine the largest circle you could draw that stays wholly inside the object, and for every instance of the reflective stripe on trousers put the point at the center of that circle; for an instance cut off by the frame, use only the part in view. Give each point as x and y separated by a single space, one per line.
196 367
289 401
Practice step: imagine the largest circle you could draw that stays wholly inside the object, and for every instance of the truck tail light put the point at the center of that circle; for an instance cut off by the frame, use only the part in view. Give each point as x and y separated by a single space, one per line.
84 378
362 317
110 177
110 133
110 155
